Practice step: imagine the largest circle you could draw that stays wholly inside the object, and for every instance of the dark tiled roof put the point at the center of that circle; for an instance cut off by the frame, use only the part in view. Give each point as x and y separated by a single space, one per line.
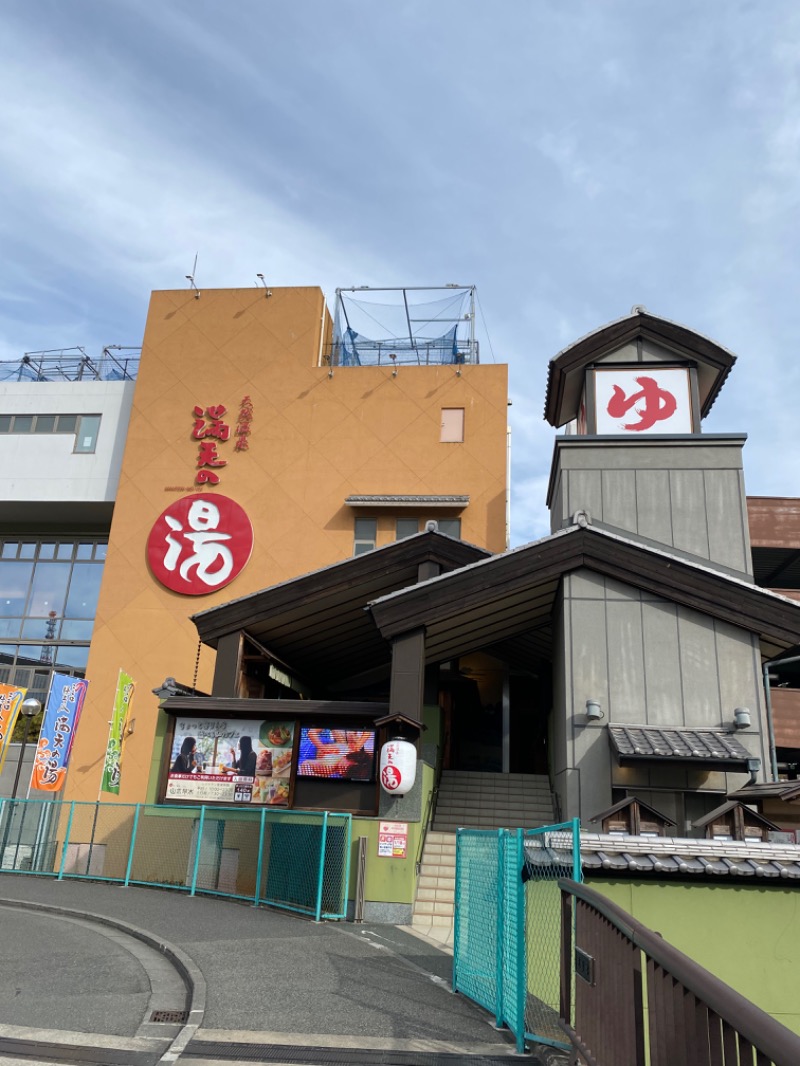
788 791
706 745
629 856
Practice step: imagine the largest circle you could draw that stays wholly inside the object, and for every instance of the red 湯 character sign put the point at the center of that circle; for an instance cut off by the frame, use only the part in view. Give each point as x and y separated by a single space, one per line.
390 778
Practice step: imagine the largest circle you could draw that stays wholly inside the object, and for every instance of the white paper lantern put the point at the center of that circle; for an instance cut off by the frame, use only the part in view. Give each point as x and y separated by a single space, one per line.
398 768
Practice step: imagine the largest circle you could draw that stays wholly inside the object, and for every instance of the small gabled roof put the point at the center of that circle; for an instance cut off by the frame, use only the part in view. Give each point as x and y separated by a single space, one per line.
316 623
566 370
509 597
726 808
628 802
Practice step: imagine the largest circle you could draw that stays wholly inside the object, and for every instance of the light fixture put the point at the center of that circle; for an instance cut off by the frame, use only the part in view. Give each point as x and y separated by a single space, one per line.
594 711
741 718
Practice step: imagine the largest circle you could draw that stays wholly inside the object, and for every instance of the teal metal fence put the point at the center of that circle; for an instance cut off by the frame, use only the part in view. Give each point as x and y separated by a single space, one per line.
296 860
507 935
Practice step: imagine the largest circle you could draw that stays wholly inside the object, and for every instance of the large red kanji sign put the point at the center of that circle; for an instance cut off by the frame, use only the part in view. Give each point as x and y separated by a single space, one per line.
200 544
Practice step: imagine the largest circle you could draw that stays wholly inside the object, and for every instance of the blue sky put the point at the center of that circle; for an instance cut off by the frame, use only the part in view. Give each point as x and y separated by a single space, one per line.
571 158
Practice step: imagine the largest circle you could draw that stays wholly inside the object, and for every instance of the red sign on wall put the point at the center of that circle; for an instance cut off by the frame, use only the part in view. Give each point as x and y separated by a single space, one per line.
200 544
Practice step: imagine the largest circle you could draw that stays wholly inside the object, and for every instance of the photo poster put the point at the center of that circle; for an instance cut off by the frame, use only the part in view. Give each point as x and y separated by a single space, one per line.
231 761
61 717
11 699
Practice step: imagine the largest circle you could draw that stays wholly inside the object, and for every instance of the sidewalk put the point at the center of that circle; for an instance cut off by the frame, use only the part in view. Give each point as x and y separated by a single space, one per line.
266 983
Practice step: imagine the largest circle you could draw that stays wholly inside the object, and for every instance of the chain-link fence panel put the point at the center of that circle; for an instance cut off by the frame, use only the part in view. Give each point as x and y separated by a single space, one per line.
306 862
476 960
549 853
28 836
296 860
507 934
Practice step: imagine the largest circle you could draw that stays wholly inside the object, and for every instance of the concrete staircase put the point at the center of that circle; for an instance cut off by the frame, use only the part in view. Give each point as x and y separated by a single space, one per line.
471 800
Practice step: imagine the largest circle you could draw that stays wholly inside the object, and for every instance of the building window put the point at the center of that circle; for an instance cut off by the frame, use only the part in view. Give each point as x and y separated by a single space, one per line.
406 527
48 599
85 427
450 526
86 433
452 429
366 535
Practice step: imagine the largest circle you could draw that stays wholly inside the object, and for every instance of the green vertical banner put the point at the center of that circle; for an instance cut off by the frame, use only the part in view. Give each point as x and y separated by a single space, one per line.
112 767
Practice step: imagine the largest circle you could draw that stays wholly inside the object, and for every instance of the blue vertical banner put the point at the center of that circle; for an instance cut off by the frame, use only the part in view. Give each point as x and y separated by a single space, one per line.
61 716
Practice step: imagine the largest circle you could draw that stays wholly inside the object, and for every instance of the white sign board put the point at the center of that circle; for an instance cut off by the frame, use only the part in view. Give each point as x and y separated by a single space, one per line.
643 400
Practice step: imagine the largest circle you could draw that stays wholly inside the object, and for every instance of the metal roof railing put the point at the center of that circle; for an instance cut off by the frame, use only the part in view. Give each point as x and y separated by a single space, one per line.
116 363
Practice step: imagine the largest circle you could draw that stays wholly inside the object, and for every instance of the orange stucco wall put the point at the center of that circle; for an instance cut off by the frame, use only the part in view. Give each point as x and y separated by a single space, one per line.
315 440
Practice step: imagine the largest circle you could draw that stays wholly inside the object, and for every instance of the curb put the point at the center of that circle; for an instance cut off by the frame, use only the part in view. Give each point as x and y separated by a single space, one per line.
189 971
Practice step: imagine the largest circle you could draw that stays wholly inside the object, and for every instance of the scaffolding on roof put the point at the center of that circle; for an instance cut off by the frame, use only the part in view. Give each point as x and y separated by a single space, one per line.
421 326
73 364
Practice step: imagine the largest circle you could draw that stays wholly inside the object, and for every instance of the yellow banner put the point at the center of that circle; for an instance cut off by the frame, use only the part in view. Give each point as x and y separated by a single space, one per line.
10 702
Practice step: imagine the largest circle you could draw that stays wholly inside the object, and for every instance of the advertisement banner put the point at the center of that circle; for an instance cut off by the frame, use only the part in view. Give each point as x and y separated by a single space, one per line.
112 767
61 716
10 702
233 761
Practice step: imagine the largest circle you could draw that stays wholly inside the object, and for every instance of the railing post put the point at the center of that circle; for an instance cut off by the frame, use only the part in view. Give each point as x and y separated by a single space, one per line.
577 874
348 857
66 841
323 845
456 911
260 860
566 957
197 848
499 999
521 941
132 844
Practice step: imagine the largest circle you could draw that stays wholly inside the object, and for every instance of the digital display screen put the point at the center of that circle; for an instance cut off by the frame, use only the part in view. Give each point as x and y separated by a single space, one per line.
344 754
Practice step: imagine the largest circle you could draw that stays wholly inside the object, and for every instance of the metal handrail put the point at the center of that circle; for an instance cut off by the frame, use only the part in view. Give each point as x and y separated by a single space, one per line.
772 1039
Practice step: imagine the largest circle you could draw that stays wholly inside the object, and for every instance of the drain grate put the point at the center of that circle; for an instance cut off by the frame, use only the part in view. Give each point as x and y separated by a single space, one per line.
170 1016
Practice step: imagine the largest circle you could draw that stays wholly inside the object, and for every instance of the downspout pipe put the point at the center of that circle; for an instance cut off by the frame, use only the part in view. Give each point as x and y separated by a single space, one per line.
773 755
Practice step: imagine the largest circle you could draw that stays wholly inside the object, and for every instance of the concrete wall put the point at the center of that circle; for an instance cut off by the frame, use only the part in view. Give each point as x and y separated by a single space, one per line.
44 467
686 493
649 662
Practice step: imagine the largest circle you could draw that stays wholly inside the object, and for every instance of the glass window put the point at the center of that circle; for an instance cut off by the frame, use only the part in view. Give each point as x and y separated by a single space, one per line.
9 627
100 550
15 580
49 589
86 433
38 628
84 551
72 659
5 423
450 526
66 423
10 548
47 550
74 630
65 550
27 550
84 590
406 527
23 423
366 533
452 431
45 424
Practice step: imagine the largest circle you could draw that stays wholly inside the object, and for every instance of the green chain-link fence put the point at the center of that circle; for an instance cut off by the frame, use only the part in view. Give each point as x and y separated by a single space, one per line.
298 860
506 953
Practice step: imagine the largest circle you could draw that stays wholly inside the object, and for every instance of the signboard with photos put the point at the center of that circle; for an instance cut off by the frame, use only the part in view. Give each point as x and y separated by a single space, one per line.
231 761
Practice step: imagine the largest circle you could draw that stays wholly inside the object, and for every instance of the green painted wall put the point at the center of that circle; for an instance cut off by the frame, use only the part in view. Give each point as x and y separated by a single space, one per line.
390 880
747 934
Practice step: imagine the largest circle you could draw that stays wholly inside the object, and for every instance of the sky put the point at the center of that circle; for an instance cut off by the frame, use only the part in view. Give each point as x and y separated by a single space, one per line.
570 158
